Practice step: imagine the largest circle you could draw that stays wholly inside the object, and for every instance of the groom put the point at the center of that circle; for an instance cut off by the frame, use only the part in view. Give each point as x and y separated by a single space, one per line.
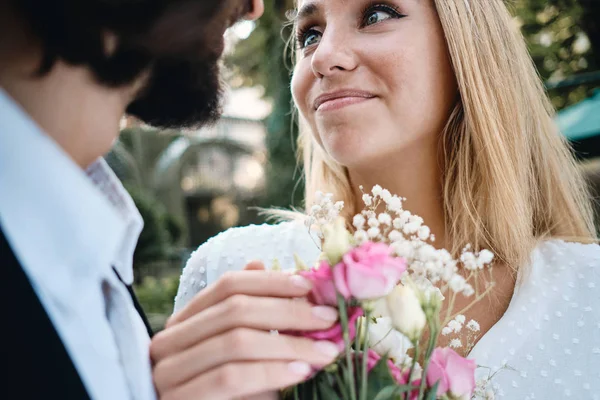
69 69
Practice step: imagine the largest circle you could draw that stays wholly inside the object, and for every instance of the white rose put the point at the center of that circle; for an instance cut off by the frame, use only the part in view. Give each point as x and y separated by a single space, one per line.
336 240
406 311
385 340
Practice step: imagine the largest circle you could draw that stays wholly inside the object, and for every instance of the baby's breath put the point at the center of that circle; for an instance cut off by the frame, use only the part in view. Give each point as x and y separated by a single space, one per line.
383 219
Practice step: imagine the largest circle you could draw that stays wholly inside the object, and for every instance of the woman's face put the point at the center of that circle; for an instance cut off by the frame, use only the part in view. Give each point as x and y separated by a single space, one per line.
373 78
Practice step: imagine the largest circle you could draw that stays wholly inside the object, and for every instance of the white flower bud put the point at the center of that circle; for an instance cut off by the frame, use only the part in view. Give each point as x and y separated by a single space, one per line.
457 283
473 326
386 195
415 219
300 264
460 318
405 216
406 311
336 240
395 204
446 331
315 209
486 256
427 253
385 219
373 233
358 221
376 190
455 326
386 341
361 236
410 228
339 205
368 200
404 249
398 223
373 222
395 236
455 343
423 232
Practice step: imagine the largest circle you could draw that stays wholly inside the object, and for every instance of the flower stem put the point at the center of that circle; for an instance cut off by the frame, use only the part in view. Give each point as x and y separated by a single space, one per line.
344 321
340 382
412 367
432 340
364 381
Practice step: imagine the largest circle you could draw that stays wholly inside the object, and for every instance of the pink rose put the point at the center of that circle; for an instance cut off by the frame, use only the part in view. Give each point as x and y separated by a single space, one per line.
368 272
335 333
456 374
323 291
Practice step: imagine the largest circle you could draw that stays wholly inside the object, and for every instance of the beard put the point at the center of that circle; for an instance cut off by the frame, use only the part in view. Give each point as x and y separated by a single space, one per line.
180 93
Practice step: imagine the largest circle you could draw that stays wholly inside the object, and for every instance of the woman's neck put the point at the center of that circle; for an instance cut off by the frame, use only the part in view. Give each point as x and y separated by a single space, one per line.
416 177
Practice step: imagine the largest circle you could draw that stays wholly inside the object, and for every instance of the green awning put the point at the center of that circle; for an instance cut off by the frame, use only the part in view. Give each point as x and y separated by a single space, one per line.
582 120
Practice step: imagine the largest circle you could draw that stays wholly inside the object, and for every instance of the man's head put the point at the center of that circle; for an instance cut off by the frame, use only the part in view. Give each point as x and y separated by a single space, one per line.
176 44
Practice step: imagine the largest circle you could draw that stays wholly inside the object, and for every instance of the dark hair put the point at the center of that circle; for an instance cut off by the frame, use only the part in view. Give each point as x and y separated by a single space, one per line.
147 30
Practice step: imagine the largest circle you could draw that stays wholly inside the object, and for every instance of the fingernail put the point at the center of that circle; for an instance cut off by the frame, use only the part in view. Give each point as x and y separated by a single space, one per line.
328 348
326 313
299 367
300 281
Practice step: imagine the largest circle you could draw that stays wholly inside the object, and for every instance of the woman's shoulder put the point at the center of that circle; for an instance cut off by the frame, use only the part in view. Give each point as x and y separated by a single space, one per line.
557 263
232 249
561 255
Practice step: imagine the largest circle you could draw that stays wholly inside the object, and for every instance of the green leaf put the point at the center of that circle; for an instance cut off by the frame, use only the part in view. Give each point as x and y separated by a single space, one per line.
379 378
326 391
432 393
393 391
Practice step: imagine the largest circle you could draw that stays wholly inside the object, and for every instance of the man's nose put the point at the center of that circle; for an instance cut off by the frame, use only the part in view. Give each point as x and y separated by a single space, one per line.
257 8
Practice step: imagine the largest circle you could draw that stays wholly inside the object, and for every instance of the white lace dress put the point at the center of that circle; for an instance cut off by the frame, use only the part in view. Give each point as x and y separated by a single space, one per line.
548 339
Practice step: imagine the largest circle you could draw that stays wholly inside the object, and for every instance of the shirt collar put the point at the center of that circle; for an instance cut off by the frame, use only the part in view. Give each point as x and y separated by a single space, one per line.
50 208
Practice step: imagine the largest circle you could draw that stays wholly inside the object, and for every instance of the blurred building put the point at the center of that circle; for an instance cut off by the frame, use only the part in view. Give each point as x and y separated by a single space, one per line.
207 178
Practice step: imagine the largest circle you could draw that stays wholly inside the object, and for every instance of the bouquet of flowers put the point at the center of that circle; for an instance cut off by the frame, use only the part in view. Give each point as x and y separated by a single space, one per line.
391 286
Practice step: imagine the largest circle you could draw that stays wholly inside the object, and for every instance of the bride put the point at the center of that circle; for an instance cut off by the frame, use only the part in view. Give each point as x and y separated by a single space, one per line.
437 101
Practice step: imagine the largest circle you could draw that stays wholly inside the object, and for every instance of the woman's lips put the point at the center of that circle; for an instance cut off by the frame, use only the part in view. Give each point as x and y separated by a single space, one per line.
340 99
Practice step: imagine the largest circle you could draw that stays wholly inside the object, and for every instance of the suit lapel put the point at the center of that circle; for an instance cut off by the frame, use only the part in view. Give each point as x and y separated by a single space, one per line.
37 361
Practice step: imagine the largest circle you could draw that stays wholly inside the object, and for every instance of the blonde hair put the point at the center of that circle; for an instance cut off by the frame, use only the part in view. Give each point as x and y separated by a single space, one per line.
510 179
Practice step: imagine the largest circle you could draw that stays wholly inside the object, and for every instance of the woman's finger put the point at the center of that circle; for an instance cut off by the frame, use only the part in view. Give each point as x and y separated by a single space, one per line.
262 313
251 283
273 395
242 344
239 380
254 266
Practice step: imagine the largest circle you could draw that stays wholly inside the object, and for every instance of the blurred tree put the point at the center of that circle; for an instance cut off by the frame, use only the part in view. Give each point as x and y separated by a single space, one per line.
156 295
262 59
591 26
563 40
158 240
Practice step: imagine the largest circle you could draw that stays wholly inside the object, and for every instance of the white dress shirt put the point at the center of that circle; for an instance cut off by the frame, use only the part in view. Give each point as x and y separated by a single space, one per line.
68 228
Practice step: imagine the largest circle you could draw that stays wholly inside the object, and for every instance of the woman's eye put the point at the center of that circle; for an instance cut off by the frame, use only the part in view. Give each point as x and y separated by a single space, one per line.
311 37
376 17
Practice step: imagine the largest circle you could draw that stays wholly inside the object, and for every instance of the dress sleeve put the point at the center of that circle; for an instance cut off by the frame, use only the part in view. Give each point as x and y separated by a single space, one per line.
236 247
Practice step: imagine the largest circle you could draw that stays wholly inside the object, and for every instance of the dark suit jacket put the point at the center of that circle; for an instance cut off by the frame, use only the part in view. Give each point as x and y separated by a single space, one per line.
37 363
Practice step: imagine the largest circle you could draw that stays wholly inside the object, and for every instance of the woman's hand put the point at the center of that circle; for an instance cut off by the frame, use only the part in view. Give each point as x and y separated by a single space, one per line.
220 346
